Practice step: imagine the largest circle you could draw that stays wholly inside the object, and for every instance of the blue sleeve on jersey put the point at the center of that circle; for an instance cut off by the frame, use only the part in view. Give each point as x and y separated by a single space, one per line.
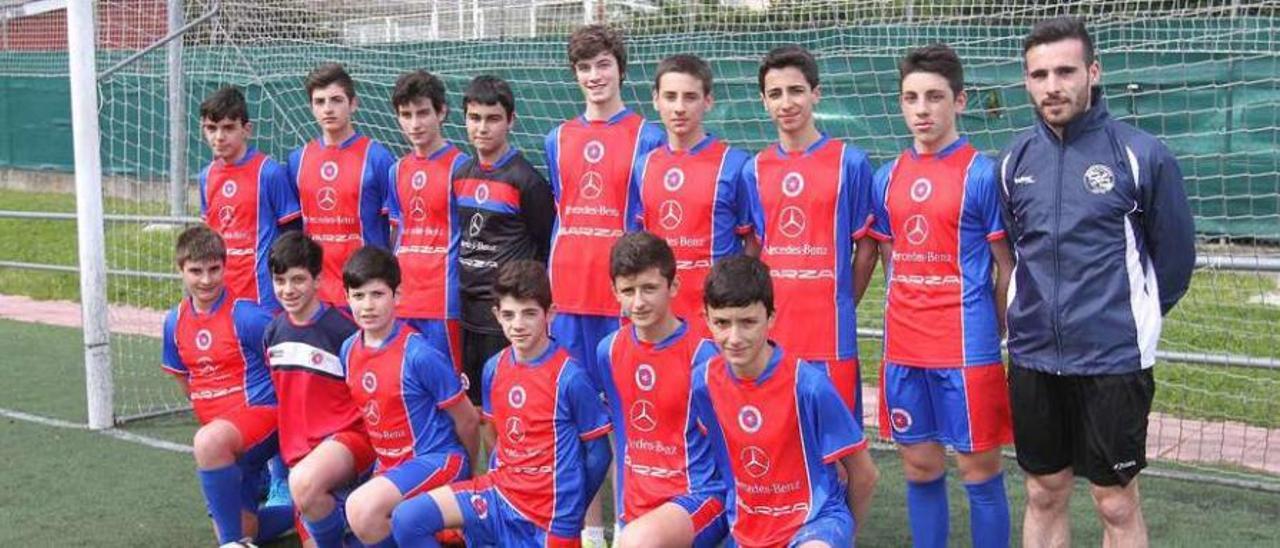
838 433
596 459
433 372
381 161
169 358
705 351
486 384
344 354
745 201
603 368
293 165
280 192
751 183
858 178
251 324
699 401
635 223
551 152
982 178
391 205
204 185
879 208
652 135
585 408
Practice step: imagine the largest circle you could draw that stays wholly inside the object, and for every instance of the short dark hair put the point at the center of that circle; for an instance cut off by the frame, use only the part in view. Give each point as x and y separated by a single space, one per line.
684 63
199 243
419 84
792 55
738 281
330 73
1057 29
488 89
935 59
523 279
225 104
636 252
592 40
371 263
294 249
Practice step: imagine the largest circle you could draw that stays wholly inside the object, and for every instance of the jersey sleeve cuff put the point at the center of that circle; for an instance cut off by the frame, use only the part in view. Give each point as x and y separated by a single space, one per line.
174 370
879 236
862 230
996 236
598 432
856 447
289 217
744 230
452 400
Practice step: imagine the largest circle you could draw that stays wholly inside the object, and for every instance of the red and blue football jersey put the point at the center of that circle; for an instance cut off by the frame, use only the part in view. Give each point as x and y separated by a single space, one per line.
403 389
659 451
698 201
941 211
422 204
542 412
590 165
813 205
777 440
245 203
342 190
220 353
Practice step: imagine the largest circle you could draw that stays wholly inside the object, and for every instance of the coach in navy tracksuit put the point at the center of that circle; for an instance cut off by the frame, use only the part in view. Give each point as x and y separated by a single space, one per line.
1105 246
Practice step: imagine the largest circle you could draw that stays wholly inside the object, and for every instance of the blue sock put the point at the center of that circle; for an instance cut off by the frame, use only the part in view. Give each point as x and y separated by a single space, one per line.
415 522
278 492
273 521
221 488
927 512
989 513
328 531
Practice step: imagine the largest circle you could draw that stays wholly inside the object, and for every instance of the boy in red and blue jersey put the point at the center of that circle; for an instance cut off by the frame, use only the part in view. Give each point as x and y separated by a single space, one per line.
590 160
341 177
415 409
303 345
781 436
667 491
937 217
213 347
424 211
691 190
551 450
814 196
245 196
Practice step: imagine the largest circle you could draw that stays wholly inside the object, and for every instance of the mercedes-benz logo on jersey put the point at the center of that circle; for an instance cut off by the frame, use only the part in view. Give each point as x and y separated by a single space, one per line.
204 339
514 429
900 419
327 198
673 179
226 214
670 214
516 396
755 461
1098 179
749 419
792 184
921 190
791 221
591 186
205 365
481 506
229 188
329 171
476 225
643 417
369 381
482 193
418 180
371 413
417 208
593 152
646 378
917 229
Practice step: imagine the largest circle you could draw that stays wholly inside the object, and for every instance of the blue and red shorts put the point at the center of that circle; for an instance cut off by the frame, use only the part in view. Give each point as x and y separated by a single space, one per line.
423 473
966 408
706 512
489 520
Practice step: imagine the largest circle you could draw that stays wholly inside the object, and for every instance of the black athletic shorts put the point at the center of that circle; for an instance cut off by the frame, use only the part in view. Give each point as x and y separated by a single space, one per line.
1095 424
477 348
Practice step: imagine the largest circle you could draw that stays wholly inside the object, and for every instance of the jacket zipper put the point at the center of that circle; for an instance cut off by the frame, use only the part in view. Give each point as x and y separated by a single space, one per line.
1057 233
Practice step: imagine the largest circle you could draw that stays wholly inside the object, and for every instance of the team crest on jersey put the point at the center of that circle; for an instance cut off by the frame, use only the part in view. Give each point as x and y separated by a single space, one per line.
482 193
226 214
476 225
643 417
369 381
316 358
593 152
646 377
514 429
371 413
591 186
916 229
900 419
329 171
670 214
516 396
792 184
204 339
750 419
921 190
791 222
418 180
327 198
673 179
481 506
229 188
755 461
1099 179
417 208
